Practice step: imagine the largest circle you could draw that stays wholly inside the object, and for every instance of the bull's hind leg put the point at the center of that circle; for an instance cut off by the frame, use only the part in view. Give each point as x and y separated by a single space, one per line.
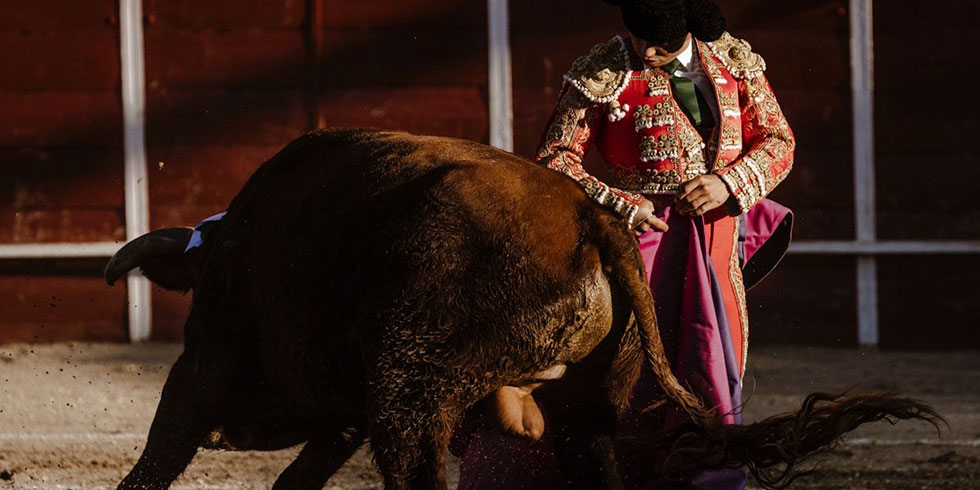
411 454
583 424
319 460
179 426
583 409
410 429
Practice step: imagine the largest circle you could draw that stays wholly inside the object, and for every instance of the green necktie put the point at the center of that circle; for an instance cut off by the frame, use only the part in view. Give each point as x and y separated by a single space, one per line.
690 99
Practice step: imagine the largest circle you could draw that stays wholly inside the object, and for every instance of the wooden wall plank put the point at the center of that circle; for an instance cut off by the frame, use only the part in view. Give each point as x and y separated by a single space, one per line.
198 181
61 118
62 225
58 15
423 14
42 308
227 59
58 60
928 302
943 17
928 196
446 111
396 57
806 301
230 117
58 195
925 131
226 14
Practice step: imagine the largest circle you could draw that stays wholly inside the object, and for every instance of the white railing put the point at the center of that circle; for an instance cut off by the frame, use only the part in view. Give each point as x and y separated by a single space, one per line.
499 83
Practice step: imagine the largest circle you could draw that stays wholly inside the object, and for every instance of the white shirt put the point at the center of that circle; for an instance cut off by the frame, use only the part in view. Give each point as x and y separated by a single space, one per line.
690 68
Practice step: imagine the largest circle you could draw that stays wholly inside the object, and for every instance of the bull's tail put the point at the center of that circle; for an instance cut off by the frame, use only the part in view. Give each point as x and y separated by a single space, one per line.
775 449
772 449
160 256
622 256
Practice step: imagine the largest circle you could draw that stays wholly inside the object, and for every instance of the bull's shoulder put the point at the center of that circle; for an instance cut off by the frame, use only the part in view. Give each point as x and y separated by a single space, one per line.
602 74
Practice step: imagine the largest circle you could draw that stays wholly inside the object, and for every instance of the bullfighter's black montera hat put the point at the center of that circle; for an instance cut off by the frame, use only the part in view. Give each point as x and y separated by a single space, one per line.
660 21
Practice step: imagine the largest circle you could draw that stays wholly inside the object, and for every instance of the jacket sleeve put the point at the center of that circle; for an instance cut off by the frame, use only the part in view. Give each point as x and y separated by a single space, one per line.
566 141
769 142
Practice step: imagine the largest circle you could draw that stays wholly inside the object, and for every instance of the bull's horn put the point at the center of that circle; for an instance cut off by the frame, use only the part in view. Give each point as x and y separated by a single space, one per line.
159 253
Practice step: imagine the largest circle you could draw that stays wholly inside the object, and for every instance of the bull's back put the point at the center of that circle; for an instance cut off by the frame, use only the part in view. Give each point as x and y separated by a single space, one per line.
346 226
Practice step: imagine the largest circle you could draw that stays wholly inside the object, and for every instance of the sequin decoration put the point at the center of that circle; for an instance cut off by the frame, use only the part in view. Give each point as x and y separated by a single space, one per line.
659 148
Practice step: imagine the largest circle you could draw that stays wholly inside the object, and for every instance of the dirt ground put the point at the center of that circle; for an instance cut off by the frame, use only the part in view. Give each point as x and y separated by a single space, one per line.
76 415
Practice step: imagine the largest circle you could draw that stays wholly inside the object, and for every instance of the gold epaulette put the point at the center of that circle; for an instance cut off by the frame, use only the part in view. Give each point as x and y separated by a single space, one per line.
737 56
602 74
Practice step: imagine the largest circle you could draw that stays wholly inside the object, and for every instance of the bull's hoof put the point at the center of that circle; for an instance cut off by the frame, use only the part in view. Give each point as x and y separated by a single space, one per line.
514 412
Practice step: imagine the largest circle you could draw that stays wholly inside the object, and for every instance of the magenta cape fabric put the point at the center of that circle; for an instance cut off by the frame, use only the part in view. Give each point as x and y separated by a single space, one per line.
694 326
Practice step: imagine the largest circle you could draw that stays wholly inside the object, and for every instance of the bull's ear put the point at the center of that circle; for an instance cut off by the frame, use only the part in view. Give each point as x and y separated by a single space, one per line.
160 256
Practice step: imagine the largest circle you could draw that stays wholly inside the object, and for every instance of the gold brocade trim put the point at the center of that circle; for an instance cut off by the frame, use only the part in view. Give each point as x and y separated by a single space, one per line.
693 146
660 114
658 83
728 104
711 65
736 54
738 285
731 137
602 74
649 181
659 148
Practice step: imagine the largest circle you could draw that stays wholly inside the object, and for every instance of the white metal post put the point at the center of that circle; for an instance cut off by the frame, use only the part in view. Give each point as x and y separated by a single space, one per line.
500 89
862 84
134 150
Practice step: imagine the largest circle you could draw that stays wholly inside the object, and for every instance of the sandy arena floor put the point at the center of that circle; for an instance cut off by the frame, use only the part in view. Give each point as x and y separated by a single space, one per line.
76 415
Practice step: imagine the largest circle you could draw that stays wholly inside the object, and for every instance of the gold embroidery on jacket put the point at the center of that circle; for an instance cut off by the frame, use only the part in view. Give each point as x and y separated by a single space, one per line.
738 285
731 137
602 74
658 83
737 56
648 181
661 114
658 148
714 71
728 104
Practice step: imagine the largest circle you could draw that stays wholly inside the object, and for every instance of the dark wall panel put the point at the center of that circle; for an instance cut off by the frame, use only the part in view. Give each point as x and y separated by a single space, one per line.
60 122
226 14
419 66
929 302
46 60
807 301
229 59
925 130
43 308
58 15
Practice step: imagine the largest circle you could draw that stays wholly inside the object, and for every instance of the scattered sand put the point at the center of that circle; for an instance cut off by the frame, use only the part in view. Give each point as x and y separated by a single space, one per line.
74 416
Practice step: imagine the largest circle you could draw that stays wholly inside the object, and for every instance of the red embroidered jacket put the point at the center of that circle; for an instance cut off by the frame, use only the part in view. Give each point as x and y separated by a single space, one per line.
650 144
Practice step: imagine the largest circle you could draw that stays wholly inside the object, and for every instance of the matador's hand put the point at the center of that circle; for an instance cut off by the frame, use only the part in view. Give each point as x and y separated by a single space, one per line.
645 220
701 194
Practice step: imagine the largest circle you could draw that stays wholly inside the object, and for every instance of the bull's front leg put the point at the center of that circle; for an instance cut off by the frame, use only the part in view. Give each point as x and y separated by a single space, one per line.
180 425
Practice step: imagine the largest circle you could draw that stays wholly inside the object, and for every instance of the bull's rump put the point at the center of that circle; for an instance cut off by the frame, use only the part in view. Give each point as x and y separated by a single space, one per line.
345 233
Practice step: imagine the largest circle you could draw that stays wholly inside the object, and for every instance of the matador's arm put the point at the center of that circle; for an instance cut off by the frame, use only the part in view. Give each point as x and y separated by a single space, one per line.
769 142
565 143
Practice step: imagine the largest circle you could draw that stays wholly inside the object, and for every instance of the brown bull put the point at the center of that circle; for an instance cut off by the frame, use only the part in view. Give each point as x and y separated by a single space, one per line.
377 284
